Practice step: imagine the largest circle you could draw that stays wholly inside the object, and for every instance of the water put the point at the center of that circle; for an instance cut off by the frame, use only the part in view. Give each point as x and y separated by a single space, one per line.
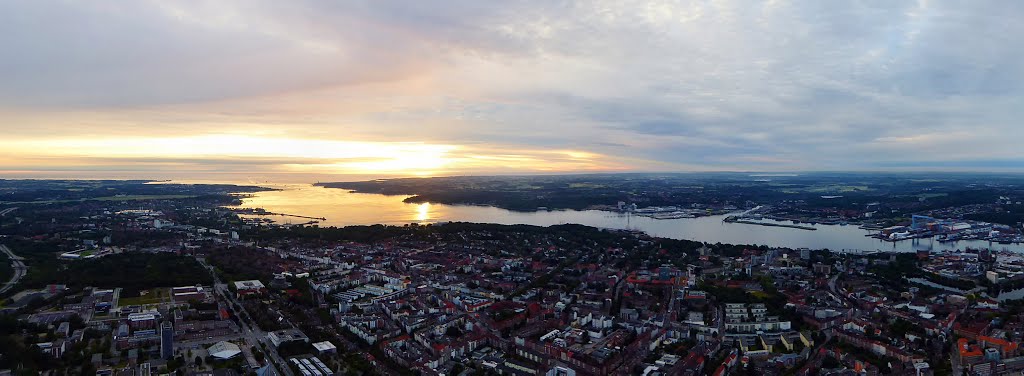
1010 295
343 208
936 285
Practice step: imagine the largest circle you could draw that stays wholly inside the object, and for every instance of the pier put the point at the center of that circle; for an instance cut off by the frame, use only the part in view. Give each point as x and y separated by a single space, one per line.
261 211
298 216
769 224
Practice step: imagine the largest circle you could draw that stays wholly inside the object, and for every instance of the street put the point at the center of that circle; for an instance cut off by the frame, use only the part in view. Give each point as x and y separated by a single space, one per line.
253 336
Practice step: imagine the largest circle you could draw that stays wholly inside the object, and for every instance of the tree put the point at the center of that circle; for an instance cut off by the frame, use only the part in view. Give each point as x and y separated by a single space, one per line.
830 362
199 361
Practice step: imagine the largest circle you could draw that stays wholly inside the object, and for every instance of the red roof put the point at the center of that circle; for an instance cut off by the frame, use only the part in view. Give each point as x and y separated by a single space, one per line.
966 350
1004 344
533 308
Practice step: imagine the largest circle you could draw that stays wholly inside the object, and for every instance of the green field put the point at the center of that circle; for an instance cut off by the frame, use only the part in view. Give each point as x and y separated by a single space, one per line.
151 296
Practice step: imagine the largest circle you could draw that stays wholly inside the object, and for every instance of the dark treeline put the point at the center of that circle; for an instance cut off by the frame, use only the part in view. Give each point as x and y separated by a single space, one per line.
846 191
376 233
131 271
50 190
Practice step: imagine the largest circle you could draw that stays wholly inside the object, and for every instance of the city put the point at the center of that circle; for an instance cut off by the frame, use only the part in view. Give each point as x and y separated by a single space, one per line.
515 188
142 286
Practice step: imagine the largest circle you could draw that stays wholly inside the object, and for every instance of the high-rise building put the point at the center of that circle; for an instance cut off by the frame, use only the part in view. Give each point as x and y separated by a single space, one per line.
166 340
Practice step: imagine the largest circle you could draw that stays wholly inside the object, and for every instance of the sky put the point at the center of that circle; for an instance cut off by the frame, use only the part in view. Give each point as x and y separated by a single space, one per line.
327 90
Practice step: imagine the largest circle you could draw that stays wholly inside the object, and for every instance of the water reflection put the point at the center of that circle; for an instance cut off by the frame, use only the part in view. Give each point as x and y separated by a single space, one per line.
343 208
423 212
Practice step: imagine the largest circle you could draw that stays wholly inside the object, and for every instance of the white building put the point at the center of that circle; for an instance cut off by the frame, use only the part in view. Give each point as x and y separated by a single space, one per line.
325 347
287 335
224 350
744 318
249 287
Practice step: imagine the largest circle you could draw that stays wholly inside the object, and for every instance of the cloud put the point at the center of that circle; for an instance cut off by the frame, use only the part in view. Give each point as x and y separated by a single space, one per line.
654 85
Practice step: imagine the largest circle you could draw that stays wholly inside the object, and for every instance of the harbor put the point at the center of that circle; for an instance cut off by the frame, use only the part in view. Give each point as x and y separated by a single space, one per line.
949 231
669 212
344 208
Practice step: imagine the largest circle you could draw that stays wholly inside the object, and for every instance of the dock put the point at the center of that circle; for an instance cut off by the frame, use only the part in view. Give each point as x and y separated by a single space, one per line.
769 224
298 216
261 211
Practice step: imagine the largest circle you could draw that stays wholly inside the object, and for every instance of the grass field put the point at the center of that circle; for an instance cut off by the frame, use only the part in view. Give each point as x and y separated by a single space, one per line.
760 294
151 296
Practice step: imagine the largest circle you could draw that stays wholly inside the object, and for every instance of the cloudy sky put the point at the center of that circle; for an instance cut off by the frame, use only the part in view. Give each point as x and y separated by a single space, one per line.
310 89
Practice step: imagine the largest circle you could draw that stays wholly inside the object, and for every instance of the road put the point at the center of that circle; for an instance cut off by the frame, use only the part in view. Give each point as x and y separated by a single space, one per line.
832 285
253 335
18 264
8 210
954 359
845 300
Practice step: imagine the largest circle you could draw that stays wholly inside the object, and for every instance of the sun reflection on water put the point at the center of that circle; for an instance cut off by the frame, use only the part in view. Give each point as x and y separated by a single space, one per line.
423 212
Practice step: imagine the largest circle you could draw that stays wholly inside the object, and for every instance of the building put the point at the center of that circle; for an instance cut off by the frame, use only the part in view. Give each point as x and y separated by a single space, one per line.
968 354
55 349
267 370
142 321
224 350
744 318
312 366
187 293
325 347
285 336
166 340
249 287
561 371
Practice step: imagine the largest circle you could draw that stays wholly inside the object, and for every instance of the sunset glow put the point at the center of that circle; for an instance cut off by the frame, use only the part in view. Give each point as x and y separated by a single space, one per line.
174 89
293 155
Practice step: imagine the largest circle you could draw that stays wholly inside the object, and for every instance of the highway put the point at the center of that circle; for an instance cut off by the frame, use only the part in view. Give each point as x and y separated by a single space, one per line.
18 263
8 210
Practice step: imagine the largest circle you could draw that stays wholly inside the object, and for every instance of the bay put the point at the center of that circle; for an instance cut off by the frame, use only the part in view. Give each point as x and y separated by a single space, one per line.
343 208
